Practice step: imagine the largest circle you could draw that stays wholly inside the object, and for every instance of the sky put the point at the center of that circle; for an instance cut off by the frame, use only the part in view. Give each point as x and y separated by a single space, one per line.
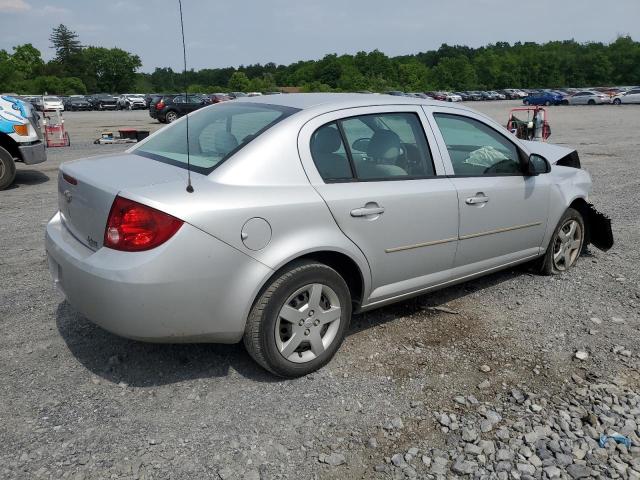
221 33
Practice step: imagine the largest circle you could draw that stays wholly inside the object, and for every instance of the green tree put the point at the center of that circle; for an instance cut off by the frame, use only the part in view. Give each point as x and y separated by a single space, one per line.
72 86
112 68
65 42
27 59
239 82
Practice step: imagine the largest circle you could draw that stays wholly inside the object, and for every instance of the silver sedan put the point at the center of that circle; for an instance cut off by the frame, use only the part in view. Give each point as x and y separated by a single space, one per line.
588 98
303 209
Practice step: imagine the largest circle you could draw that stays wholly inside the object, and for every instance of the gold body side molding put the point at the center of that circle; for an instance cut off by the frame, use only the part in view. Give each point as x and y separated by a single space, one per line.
463 237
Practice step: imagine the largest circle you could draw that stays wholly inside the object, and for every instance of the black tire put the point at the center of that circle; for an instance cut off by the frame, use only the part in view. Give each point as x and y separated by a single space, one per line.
546 264
591 102
67 140
617 101
7 169
547 103
260 331
564 102
525 102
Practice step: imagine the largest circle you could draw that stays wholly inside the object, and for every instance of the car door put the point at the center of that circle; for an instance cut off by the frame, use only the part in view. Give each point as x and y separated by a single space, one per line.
503 213
632 97
580 98
384 182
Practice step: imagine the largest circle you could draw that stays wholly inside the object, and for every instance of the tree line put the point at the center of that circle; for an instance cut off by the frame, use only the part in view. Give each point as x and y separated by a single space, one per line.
80 69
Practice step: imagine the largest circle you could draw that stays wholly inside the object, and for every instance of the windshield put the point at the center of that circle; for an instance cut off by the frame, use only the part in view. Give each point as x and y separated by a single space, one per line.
215 133
51 99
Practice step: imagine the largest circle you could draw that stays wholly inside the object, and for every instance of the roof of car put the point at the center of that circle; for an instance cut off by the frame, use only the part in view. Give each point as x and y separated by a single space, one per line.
338 100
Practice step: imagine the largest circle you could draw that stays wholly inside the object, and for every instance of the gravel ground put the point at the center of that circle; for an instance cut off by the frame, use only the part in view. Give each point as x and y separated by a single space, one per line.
480 380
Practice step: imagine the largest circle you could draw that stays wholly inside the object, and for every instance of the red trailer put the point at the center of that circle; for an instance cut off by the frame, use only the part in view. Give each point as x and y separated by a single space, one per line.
534 127
54 132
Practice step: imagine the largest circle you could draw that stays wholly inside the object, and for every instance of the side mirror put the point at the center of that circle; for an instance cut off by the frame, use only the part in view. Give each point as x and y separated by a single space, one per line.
537 165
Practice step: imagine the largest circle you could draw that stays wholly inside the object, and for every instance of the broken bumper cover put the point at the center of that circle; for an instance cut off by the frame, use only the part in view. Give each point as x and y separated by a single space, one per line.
33 153
600 233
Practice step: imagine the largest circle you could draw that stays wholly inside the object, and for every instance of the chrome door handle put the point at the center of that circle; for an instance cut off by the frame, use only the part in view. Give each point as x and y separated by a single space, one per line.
478 199
367 211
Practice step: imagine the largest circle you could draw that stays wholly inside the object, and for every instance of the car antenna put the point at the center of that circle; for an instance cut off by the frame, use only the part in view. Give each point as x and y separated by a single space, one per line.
184 75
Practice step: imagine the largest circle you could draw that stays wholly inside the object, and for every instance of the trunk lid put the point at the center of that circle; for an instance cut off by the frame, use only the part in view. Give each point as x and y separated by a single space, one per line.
87 188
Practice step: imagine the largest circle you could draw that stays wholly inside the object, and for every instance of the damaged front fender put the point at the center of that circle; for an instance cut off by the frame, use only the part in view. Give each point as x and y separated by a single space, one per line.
600 233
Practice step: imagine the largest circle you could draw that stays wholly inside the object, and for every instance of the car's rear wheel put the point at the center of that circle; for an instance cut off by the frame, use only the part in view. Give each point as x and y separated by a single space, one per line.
299 321
591 102
565 245
547 103
617 101
7 169
526 102
171 117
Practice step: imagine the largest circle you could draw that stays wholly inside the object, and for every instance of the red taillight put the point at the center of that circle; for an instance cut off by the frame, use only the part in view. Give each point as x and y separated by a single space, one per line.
160 105
69 179
133 227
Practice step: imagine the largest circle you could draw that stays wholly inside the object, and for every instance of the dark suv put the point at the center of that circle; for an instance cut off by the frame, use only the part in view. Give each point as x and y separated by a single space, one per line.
169 108
103 101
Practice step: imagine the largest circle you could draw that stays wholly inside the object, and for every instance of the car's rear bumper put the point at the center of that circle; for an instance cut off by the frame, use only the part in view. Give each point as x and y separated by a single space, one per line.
33 153
192 288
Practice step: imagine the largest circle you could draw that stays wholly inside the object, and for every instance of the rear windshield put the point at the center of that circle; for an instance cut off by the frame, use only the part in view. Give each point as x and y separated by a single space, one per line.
215 133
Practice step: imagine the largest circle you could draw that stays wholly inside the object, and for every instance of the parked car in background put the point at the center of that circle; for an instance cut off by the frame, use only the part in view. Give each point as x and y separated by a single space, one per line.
36 102
51 103
300 217
169 108
630 96
103 101
474 96
543 98
395 93
587 97
76 103
218 97
452 97
437 95
131 101
233 95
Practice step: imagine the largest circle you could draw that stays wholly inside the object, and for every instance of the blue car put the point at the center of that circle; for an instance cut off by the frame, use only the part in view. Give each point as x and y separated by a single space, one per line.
543 98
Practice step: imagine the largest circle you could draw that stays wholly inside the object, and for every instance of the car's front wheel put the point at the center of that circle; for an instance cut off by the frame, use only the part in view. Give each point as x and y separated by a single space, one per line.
617 101
299 320
565 245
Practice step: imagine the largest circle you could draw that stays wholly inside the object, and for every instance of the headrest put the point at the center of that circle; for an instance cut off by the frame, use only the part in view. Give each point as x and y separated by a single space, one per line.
326 140
384 145
224 142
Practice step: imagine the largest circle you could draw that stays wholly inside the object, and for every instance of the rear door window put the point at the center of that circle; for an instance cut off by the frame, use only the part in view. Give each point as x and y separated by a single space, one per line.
376 147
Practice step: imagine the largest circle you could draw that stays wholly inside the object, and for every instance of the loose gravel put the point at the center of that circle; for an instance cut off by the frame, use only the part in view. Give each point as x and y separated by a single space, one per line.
512 376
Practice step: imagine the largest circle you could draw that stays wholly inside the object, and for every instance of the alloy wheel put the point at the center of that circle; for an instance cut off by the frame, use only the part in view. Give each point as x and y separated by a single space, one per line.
308 323
171 117
567 245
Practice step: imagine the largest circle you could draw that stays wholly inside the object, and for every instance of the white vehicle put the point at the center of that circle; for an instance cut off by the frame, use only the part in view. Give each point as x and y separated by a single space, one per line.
131 101
452 97
630 96
51 104
588 97
20 137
